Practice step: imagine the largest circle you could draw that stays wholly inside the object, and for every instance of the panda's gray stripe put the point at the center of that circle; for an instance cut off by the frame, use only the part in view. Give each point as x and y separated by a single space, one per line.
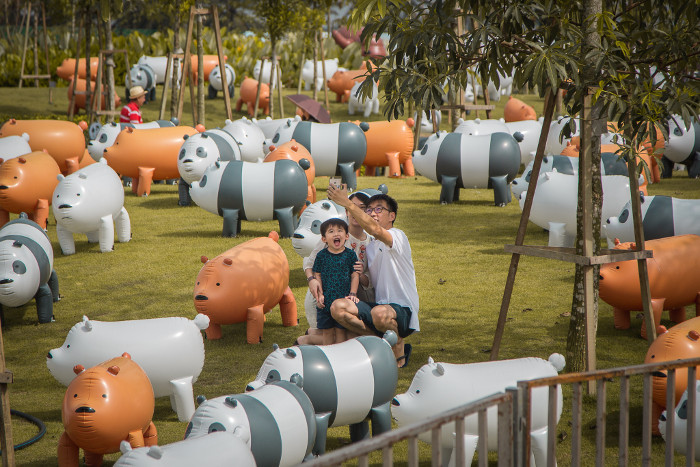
504 156
384 368
290 183
658 220
265 437
306 407
42 258
613 164
225 150
449 160
164 123
562 164
127 125
319 381
352 144
22 220
231 189
696 145
302 134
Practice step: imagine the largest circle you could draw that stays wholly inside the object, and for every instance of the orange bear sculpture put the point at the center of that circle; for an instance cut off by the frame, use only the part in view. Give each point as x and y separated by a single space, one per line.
103 406
680 342
26 185
296 152
674 281
210 62
342 82
249 88
79 102
517 111
63 140
146 155
66 69
242 284
389 144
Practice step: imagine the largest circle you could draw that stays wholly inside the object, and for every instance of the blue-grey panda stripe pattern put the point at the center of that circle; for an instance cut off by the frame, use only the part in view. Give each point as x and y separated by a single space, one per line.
384 369
126 125
307 408
40 255
164 123
290 183
562 164
302 134
612 164
658 220
225 150
696 145
449 160
502 160
319 380
351 142
265 436
231 189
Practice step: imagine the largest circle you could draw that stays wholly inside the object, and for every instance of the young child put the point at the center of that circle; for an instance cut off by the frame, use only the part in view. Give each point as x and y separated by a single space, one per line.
334 267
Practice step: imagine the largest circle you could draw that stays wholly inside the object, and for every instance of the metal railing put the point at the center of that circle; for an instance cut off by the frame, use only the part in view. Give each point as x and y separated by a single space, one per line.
514 444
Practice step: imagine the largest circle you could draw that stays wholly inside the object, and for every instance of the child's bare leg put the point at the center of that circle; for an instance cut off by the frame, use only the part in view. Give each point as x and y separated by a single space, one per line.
314 337
340 335
328 336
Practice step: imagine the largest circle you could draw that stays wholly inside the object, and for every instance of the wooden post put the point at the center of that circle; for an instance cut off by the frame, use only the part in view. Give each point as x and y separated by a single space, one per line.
222 62
26 40
6 443
524 217
323 68
257 93
71 105
279 88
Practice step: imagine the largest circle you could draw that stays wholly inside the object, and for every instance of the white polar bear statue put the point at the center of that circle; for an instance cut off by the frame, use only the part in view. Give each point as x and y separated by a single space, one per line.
265 73
439 387
307 72
14 146
369 105
680 424
90 201
308 233
250 138
170 351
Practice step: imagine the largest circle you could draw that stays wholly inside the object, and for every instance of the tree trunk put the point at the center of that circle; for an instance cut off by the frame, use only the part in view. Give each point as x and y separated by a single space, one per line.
110 67
576 338
273 64
175 88
200 71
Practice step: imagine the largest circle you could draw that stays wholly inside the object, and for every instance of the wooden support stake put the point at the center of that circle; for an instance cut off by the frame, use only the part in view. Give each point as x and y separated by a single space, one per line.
6 443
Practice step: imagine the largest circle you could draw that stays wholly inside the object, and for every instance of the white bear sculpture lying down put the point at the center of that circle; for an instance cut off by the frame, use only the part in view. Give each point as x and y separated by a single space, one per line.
438 387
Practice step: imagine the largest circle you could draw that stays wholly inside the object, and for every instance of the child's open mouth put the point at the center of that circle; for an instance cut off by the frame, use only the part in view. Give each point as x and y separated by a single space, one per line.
336 242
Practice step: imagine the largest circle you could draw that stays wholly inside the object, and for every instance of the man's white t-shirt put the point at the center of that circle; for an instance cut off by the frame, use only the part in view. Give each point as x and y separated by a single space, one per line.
393 275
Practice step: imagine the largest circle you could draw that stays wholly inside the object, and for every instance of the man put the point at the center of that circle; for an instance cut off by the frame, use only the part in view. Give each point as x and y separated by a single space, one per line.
131 112
391 271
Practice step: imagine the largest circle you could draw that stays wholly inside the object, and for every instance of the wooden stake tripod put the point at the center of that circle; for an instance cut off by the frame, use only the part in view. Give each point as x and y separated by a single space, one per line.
102 89
36 76
188 62
587 260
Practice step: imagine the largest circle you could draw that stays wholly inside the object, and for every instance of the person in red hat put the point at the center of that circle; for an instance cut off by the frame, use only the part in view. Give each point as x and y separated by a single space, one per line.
131 112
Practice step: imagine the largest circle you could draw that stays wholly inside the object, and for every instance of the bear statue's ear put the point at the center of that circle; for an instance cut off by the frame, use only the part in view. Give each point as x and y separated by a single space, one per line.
114 370
440 369
77 369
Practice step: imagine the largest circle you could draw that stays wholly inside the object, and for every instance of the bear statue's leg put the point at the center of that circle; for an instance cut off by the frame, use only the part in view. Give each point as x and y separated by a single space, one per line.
694 165
213 332
656 410
697 304
183 193
53 285
347 174
232 223
254 324
65 240
288 308
447 193
285 217
211 92
150 437
68 452
239 104
381 418
4 217
123 226
392 159
470 444
93 237
666 167
501 191
370 171
538 439
44 304
41 213
106 233
92 459
408 169
621 318
72 165
359 431
134 185
455 197
322 420
657 307
145 180
313 193
677 315
182 398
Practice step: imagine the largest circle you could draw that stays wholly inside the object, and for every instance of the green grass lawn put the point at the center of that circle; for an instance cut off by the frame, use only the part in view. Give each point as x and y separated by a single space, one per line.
461 270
